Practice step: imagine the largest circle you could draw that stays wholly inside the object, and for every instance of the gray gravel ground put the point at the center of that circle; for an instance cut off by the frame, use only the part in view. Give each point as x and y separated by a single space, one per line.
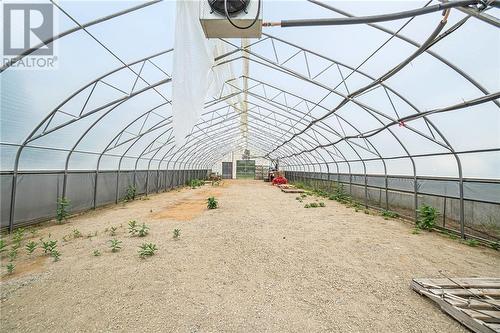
259 263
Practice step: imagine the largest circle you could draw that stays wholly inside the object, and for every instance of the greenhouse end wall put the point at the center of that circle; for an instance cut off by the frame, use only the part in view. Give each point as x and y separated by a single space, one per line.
481 198
37 192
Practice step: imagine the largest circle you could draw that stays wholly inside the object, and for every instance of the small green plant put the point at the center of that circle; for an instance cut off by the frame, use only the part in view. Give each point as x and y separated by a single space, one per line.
299 185
55 254
472 242
427 216
76 233
495 246
10 267
131 193
66 238
147 250
18 237
12 254
132 227
322 204
416 231
49 246
62 211
112 231
307 206
33 232
115 245
298 198
389 214
177 233
212 203
143 230
31 247
313 205
340 194
96 253
3 245
451 235
366 211
194 183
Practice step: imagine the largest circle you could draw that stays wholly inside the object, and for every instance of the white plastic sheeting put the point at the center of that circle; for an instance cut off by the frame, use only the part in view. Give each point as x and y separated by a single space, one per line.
195 72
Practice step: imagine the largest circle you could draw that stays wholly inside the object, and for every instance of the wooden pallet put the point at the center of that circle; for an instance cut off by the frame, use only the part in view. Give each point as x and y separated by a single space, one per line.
289 189
474 302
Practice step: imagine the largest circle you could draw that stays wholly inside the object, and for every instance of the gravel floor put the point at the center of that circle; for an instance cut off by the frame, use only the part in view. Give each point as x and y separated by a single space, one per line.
259 263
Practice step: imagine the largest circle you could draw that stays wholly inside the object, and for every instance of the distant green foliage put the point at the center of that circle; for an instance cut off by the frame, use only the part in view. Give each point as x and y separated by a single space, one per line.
96 253
299 185
307 206
322 204
320 193
194 183
62 211
3 245
115 245
495 246
472 242
313 205
212 203
31 247
147 250
339 194
131 193
390 214
427 216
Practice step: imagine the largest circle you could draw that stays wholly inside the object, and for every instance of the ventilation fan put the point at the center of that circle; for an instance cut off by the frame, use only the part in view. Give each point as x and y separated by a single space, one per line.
233 6
243 19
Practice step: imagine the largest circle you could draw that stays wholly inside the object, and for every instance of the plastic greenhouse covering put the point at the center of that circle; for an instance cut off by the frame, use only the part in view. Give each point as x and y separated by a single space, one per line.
400 112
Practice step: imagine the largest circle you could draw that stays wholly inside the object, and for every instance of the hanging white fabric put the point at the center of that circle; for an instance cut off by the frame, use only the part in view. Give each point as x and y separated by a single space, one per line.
192 62
193 73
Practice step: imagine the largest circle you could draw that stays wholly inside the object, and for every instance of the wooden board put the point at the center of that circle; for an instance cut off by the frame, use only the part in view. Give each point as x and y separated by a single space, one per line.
474 302
290 189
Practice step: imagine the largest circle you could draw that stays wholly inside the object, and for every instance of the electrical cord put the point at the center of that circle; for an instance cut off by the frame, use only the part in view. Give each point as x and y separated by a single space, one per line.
237 26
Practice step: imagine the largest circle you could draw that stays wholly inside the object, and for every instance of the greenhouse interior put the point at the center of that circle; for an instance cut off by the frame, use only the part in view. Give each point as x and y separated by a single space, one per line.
250 166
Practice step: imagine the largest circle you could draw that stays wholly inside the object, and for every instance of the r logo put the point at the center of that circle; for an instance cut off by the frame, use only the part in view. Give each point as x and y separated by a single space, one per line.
27 25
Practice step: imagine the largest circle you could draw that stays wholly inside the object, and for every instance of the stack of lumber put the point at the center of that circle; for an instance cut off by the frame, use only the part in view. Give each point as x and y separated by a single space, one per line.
474 302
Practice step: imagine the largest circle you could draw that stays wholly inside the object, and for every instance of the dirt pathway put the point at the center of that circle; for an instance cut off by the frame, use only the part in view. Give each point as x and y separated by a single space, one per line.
259 263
